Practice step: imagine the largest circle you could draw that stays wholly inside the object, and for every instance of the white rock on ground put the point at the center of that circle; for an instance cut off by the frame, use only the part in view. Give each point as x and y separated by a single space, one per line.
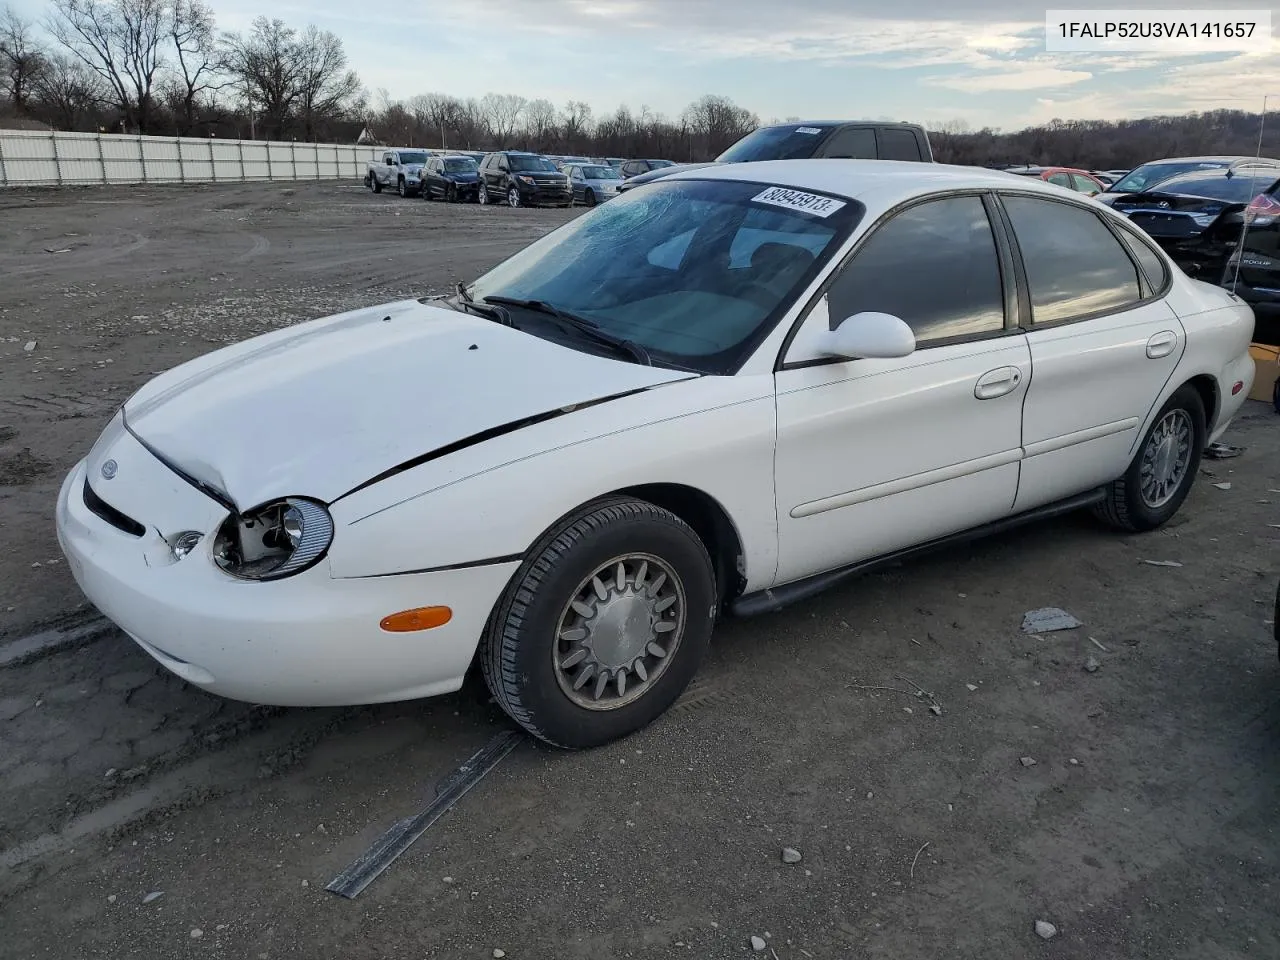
1046 930
758 944
790 855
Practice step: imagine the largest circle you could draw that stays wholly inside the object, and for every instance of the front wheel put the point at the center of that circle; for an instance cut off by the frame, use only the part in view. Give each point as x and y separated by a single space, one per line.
482 197
377 184
513 197
591 198
603 626
451 193
1162 472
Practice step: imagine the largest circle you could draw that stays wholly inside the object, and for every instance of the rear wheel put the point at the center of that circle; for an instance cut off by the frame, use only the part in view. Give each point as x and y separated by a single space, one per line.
1164 468
603 627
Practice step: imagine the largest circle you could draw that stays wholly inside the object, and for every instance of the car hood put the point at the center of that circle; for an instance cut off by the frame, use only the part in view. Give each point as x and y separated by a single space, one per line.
323 407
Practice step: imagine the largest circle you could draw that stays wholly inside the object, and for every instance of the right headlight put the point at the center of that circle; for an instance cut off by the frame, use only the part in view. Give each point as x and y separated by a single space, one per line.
275 540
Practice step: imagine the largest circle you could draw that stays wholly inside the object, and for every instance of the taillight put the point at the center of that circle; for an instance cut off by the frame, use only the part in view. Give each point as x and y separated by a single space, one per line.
1263 206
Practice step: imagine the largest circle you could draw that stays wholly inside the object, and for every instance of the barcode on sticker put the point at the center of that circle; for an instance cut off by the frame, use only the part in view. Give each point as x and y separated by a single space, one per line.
812 203
808 129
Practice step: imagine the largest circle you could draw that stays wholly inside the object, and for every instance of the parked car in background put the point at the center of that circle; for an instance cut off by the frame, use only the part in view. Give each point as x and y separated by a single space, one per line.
848 140
616 163
453 178
1069 177
682 404
633 168
1150 174
1198 218
399 169
522 179
562 162
592 183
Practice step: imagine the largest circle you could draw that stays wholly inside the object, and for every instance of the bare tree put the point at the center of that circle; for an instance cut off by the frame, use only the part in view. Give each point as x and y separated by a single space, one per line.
21 61
502 111
327 89
68 91
191 31
120 40
576 122
540 123
719 122
266 67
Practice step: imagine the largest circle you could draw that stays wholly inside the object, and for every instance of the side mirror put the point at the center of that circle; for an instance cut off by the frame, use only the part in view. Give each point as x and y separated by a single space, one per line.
869 335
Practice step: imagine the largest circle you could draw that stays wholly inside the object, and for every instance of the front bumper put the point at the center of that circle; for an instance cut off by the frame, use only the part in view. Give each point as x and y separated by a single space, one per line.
308 640
545 196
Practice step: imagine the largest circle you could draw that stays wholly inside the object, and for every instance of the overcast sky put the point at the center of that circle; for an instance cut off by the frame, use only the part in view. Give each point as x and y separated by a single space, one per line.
980 61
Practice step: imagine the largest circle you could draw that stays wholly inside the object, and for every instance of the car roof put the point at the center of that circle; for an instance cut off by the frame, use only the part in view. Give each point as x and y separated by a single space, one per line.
878 184
1220 159
844 123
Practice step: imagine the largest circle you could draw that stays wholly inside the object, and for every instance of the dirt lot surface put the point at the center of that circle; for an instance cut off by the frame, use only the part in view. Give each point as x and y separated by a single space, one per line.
1145 828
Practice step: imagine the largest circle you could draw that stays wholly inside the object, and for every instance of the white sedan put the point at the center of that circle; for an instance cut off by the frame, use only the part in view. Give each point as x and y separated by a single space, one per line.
715 395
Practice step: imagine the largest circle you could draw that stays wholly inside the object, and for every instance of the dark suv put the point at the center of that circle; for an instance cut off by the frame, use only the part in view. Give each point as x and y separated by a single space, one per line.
852 140
523 180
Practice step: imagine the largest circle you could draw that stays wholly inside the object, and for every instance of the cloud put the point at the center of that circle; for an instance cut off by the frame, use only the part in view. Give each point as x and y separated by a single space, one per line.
1031 76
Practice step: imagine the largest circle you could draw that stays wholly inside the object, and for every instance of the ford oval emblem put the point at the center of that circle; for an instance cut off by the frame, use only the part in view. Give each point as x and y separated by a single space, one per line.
108 470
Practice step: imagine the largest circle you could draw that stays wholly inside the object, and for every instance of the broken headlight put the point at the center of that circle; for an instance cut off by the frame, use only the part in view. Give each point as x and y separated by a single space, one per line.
276 540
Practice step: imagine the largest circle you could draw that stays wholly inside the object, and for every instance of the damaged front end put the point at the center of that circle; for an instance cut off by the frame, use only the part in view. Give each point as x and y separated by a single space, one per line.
273 541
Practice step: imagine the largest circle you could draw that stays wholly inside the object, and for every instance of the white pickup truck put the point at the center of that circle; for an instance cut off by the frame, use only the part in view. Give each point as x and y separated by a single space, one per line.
399 169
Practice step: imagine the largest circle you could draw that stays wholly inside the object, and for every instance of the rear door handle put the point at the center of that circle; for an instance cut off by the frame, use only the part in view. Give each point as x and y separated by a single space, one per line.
1161 344
997 383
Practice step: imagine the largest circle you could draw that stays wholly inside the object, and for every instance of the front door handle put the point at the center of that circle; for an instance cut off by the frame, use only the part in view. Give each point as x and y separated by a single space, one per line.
1161 344
997 383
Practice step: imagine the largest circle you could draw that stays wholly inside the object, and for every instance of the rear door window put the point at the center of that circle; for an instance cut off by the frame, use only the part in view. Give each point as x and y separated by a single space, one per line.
1075 267
899 145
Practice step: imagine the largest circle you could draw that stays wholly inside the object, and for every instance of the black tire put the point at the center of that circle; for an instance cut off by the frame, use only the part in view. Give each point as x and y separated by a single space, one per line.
451 193
591 198
377 186
402 188
1125 507
482 195
513 196
517 649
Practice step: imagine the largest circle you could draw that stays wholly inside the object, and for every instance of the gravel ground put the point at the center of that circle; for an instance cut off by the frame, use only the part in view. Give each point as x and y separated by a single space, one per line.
1145 828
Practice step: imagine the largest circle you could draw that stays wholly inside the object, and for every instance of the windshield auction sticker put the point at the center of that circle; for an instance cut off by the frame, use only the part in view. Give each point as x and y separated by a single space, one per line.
1172 31
812 203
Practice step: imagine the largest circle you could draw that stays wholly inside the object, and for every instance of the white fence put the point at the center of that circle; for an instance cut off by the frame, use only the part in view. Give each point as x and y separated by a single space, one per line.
43 158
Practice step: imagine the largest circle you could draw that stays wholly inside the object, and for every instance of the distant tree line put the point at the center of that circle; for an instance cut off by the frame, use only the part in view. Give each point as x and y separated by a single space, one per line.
162 67
1111 145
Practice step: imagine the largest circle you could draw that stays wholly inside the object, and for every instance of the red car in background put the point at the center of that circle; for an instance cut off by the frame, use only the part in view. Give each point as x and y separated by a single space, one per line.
1078 180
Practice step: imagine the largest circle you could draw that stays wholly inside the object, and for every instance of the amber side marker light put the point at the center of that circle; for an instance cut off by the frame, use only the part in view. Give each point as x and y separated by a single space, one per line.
419 618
